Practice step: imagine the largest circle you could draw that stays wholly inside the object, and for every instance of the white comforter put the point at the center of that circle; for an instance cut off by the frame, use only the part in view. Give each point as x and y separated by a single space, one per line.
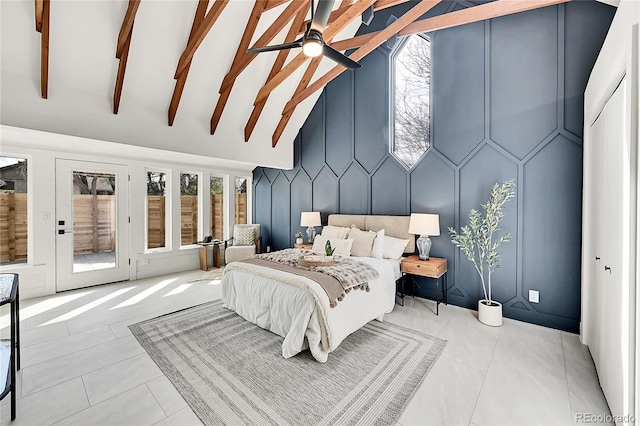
278 301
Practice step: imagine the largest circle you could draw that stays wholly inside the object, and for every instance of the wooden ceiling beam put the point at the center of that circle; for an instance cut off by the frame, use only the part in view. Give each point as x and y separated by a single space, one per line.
331 31
277 66
38 8
201 11
380 37
383 4
127 26
481 12
122 67
44 50
281 21
252 24
271 4
122 50
193 44
352 43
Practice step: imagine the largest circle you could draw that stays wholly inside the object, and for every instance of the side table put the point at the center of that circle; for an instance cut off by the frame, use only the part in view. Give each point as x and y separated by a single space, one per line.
434 267
10 349
305 246
217 259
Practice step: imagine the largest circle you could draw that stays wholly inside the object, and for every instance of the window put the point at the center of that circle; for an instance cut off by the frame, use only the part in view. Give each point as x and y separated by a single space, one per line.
156 209
216 185
411 71
13 210
241 200
188 208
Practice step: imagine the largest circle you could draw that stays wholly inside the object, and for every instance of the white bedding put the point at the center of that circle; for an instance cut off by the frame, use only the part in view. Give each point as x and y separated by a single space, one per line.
263 297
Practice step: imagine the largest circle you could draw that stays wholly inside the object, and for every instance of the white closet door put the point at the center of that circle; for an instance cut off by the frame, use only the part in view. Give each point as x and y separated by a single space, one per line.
614 348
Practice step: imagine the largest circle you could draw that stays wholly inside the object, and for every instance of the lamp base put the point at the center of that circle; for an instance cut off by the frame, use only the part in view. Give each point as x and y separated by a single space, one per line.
311 233
424 246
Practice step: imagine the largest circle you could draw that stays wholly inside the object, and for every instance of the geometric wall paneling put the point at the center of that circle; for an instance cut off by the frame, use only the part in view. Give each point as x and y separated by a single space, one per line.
524 79
580 54
354 190
271 174
433 191
262 209
371 110
325 193
301 192
476 180
490 71
280 211
552 198
338 124
291 173
458 122
389 189
312 140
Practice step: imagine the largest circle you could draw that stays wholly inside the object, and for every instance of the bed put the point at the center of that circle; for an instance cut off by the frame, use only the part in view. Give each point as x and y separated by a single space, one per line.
297 308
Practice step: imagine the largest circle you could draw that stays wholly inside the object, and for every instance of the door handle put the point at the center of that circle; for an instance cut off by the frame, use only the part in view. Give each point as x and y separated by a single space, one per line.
597 258
62 232
606 268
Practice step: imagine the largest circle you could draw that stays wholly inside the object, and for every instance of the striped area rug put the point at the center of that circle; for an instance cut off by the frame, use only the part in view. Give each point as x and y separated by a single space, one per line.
232 372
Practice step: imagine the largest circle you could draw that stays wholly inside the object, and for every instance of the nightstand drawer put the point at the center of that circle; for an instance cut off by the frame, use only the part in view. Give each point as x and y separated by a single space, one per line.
433 267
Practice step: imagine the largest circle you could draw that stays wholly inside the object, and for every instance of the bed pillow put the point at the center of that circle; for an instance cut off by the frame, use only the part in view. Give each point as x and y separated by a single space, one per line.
244 236
377 250
331 231
362 242
342 247
393 247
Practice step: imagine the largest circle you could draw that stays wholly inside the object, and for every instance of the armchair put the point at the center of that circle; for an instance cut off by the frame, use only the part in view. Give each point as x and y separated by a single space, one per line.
239 247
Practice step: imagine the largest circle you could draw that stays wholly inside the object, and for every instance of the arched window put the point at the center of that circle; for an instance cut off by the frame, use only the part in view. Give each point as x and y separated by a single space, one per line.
411 73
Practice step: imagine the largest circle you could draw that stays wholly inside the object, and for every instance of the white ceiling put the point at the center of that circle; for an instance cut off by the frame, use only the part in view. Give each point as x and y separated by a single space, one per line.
82 74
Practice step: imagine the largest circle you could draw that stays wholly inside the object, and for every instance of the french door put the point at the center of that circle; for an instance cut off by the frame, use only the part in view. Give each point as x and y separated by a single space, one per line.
92 223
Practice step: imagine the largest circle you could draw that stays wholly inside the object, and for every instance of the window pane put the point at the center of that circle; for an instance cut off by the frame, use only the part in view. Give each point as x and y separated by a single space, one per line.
411 109
13 210
94 221
217 207
156 209
241 200
189 208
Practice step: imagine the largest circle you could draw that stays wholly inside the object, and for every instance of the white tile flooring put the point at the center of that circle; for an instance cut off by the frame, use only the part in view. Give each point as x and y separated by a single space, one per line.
82 366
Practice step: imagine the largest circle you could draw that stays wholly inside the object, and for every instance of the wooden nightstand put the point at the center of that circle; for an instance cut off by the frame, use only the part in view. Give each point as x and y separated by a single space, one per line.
305 246
435 268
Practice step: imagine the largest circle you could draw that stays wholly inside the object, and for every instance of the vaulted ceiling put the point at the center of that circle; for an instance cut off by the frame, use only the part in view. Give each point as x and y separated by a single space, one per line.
176 75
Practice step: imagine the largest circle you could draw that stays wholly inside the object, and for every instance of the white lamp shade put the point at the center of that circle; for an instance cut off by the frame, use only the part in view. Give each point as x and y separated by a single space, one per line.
310 219
424 224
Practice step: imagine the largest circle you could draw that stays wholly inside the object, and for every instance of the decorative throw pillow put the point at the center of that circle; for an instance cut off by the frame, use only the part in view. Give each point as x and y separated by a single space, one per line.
377 250
342 247
244 236
331 231
393 247
362 242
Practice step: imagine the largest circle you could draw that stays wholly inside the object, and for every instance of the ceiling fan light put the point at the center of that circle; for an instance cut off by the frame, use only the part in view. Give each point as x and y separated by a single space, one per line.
312 47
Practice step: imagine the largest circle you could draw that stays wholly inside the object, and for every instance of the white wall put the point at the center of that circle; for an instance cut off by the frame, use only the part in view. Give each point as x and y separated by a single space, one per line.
41 149
618 59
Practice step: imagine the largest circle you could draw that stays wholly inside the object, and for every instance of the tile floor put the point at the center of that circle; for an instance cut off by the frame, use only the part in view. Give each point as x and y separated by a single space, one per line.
82 366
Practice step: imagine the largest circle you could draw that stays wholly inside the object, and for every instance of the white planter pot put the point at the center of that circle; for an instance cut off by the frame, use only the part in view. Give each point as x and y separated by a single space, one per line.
299 241
490 314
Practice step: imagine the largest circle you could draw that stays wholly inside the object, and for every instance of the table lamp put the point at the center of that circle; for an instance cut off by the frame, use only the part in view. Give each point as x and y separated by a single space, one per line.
424 225
310 219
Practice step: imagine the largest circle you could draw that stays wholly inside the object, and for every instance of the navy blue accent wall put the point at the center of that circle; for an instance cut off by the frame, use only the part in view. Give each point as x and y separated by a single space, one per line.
507 104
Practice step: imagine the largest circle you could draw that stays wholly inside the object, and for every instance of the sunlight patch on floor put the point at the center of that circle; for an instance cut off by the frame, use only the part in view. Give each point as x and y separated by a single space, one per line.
146 293
178 290
44 306
87 307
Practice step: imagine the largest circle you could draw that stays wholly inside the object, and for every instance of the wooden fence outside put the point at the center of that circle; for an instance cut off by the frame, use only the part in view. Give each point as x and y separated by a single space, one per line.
188 219
13 227
94 223
156 217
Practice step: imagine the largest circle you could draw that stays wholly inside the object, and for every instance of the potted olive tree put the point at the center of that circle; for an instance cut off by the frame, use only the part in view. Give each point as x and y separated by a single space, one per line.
477 242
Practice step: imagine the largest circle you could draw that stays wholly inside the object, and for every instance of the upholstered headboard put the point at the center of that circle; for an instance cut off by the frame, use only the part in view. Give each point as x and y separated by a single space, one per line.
394 226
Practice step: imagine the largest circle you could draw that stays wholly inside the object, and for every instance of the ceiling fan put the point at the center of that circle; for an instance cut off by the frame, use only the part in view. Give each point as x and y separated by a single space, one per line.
311 42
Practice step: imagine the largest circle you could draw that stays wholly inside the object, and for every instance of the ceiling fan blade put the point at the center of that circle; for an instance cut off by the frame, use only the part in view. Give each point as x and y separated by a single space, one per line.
321 15
343 60
297 43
